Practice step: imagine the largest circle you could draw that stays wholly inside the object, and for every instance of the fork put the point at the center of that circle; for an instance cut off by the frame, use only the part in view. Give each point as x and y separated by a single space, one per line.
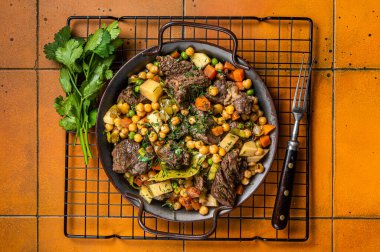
284 193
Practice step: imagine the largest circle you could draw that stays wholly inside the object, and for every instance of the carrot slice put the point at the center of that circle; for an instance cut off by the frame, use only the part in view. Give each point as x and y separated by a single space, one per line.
156 167
229 66
267 128
230 76
217 131
238 74
210 72
239 189
239 84
175 54
202 103
137 181
235 116
124 122
265 141
156 78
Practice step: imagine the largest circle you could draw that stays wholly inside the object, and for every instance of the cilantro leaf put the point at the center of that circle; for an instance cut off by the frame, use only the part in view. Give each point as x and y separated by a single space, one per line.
64 79
114 29
68 123
60 38
94 40
108 74
102 49
68 54
92 118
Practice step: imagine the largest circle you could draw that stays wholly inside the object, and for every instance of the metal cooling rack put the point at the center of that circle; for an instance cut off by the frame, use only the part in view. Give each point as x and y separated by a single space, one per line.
274 46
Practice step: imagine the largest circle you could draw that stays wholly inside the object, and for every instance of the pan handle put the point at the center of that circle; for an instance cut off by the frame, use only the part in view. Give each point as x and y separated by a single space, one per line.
198 25
140 203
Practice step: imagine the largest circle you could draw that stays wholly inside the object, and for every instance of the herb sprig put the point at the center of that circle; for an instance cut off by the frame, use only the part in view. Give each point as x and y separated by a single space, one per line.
85 67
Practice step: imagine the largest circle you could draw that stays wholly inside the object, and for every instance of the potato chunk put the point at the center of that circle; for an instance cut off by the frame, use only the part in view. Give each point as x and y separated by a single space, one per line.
151 89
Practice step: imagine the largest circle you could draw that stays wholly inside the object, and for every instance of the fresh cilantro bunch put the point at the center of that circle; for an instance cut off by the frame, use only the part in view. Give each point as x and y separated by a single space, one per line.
85 67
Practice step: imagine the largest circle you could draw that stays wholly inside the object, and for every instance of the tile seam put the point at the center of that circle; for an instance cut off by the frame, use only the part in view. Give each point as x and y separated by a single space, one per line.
37 120
333 127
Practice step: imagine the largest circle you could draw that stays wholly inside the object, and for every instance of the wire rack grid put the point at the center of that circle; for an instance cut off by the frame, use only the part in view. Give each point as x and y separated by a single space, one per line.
274 46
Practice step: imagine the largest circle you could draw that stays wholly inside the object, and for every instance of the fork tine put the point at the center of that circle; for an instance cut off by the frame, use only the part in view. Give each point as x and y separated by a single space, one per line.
298 82
303 84
307 85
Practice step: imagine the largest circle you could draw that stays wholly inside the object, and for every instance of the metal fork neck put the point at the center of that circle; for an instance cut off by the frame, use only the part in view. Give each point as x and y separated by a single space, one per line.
294 135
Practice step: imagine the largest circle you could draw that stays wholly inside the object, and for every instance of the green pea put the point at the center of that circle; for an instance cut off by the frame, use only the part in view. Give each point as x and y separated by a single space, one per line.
156 63
131 135
250 91
240 125
131 113
174 184
214 61
209 161
139 82
137 89
184 56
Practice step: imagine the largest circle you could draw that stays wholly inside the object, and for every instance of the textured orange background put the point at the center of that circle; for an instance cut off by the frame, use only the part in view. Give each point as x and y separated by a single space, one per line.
345 176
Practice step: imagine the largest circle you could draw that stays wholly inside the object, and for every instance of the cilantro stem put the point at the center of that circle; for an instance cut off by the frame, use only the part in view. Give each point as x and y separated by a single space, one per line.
82 145
86 139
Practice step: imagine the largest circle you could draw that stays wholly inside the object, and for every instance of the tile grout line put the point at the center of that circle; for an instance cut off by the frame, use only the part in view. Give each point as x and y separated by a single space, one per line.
37 121
333 126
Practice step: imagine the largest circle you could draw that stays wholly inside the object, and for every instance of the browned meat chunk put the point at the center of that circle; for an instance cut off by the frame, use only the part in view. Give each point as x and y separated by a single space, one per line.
199 182
241 101
127 95
170 66
226 178
222 86
173 154
202 128
125 158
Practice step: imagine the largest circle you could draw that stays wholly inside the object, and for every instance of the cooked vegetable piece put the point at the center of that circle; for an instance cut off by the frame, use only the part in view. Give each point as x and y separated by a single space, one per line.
145 193
239 189
228 141
107 118
217 131
248 149
230 76
151 89
124 122
239 84
160 188
175 54
238 74
265 141
229 66
212 172
235 115
200 60
267 128
210 72
211 201
256 159
202 103
155 120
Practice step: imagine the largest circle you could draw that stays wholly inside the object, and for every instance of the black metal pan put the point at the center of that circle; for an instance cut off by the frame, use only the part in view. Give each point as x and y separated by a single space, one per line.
120 81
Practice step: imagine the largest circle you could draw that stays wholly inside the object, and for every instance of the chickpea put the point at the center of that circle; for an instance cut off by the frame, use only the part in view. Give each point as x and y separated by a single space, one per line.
259 168
222 152
218 108
226 115
177 206
260 113
203 210
155 105
184 112
252 168
188 138
149 75
140 107
230 109
151 174
142 75
258 144
123 107
125 131
247 84
152 136
135 118
140 124
198 144
247 174
132 127
247 133
214 149
262 120
175 120
226 127
175 108
165 128
245 117
183 193
255 108
204 150
189 51
148 66
190 144
117 121
213 91
147 107
153 69
162 135
219 67
204 164
254 117
133 77
138 138
143 131
141 113
255 100
259 152
122 135
192 120
116 132
220 121
109 127
245 181
216 158
188 183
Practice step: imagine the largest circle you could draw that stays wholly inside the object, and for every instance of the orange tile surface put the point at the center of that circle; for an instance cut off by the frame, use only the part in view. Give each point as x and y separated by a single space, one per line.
356 120
18 156
344 176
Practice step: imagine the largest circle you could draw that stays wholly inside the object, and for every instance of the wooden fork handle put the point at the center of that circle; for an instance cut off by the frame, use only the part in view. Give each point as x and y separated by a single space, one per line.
284 193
